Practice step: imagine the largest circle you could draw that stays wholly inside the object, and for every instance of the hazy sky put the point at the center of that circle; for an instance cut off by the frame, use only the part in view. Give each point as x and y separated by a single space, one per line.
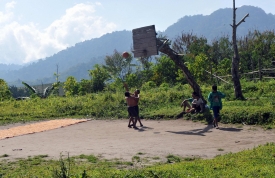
35 29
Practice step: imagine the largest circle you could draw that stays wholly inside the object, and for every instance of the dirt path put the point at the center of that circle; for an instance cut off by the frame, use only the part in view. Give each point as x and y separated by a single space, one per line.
113 139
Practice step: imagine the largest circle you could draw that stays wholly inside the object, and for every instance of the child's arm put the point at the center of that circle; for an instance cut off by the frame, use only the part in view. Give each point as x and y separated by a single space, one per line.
209 98
126 86
222 95
182 103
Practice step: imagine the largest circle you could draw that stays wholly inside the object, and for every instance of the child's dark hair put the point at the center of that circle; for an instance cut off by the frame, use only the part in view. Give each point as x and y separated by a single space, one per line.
138 91
127 94
214 88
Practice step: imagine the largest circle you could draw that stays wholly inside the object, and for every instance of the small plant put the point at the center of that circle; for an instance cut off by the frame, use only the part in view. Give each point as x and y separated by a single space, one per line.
268 127
173 159
188 159
90 158
156 158
220 149
64 170
136 158
41 156
139 153
4 156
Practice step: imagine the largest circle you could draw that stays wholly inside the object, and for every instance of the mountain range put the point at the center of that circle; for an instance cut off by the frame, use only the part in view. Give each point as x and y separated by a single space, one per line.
78 59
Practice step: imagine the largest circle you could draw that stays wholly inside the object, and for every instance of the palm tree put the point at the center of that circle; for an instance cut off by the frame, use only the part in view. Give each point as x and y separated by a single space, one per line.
46 92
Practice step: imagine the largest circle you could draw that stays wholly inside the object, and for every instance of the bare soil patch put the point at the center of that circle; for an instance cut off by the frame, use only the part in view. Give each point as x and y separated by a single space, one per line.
113 139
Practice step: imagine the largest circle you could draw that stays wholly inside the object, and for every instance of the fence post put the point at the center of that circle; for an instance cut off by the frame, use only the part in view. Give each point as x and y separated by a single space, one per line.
260 70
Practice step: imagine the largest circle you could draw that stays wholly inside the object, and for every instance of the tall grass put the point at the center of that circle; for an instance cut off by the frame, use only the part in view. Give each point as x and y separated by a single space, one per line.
155 103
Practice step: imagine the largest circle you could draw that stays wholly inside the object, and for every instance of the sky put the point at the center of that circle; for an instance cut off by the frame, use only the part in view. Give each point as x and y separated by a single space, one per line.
35 29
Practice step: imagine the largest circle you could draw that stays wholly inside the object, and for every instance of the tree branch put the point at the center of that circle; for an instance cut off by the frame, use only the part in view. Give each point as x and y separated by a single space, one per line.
242 20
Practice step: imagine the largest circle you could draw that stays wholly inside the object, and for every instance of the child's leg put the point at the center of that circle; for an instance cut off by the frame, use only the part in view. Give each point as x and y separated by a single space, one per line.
215 113
186 104
140 122
130 120
216 123
135 122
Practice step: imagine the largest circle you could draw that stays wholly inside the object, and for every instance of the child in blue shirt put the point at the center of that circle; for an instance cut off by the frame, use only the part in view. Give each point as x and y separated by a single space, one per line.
215 100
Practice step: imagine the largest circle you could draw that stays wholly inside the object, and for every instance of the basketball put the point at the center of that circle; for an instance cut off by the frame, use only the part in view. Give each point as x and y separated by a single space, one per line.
125 54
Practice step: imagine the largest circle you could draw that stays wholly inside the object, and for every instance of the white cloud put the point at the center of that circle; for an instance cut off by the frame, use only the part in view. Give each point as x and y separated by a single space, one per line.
26 43
10 5
7 14
79 24
98 3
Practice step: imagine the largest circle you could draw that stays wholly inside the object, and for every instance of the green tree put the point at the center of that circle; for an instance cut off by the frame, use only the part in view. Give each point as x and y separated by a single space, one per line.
85 87
164 71
19 92
143 72
197 67
5 93
224 67
99 75
190 45
117 66
219 50
257 50
54 89
195 50
133 80
71 86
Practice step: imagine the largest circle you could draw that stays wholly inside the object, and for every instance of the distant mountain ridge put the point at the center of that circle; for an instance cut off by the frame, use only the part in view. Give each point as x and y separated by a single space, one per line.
218 23
9 67
77 60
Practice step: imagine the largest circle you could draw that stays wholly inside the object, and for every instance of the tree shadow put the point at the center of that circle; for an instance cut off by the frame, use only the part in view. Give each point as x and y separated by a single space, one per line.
199 132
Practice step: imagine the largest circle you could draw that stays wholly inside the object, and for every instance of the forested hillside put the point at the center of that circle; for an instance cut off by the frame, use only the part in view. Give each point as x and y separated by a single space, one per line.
76 60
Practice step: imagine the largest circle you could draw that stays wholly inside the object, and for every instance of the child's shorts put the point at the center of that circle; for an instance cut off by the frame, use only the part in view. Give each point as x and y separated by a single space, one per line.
216 111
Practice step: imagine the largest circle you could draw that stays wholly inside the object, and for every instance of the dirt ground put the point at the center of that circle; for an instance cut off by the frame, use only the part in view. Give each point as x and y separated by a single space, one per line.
113 139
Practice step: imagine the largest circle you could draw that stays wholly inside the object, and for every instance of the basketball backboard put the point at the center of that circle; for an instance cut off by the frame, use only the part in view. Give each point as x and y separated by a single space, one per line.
145 41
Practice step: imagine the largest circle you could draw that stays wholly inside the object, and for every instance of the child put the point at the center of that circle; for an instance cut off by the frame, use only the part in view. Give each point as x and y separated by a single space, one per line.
215 101
136 96
131 103
196 103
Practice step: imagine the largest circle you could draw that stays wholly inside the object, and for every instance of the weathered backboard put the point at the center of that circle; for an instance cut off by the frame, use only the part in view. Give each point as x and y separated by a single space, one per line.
145 41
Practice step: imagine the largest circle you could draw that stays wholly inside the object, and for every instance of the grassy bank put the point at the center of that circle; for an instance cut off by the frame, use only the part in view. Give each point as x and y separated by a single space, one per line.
257 162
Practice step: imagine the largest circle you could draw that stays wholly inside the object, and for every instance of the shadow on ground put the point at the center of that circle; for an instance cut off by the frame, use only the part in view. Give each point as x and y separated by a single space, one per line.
200 132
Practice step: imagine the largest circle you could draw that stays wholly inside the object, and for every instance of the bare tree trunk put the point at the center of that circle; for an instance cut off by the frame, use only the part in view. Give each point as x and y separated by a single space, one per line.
165 48
236 57
252 67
